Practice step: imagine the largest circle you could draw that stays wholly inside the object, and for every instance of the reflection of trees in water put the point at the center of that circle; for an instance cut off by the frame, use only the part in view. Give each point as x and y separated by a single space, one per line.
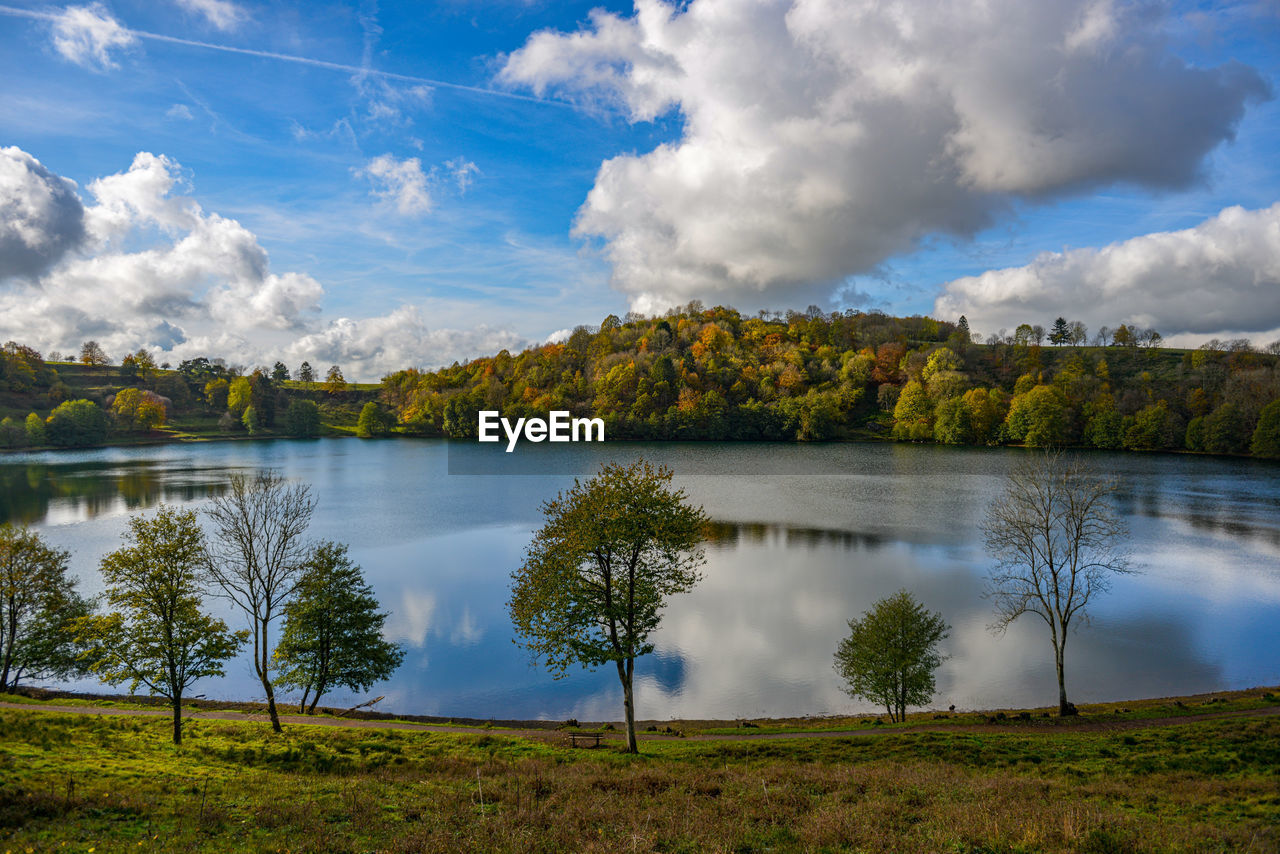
28 491
730 534
1239 513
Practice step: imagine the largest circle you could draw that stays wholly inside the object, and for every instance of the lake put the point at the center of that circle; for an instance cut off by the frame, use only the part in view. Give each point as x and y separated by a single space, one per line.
807 537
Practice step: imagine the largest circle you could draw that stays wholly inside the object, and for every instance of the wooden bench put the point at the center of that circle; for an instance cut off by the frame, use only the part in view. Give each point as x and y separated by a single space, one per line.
588 739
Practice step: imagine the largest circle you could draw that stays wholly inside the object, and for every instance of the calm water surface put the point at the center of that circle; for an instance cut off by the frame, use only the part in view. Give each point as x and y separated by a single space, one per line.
795 556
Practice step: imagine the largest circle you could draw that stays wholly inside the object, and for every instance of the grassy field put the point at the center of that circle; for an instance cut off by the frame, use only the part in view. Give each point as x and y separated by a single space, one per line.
82 782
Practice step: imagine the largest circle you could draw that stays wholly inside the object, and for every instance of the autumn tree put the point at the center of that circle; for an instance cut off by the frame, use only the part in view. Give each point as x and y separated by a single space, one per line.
158 636
332 634
257 554
38 603
597 574
91 353
891 653
334 383
1057 542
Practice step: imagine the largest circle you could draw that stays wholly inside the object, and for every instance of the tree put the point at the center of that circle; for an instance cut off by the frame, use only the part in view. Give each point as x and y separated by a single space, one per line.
333 381
158 636
91 353
280 372
306 374
1057 542
33 427
257 554
1061 332
332 633
596 576
38 603
302 419
891 653
76 423
1266 436
373 421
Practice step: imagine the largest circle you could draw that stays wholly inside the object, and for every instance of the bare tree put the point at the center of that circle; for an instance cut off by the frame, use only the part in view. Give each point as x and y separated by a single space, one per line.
1057 542
257 554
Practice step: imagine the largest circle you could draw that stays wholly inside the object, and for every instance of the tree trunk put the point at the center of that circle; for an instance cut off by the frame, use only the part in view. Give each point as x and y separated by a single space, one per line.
1064 708
177 718
302 706
264 673
628 703
316 699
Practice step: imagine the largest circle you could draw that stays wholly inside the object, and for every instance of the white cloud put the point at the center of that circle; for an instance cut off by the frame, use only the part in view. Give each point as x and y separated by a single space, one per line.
401 182
179 111
1223 274
377 345
822 137
41 217
462 171
146 266
222 14
86 35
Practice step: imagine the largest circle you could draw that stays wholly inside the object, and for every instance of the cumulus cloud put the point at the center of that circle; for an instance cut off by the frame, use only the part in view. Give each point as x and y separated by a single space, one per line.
222 14
869 127
145 265
41 217
87 35
400 182
400 339
1223 274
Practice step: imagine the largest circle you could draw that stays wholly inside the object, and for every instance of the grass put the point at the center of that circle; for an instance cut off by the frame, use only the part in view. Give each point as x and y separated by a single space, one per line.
74 782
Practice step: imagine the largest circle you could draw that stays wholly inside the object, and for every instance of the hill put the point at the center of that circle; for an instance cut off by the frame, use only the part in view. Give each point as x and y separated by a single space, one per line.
714 374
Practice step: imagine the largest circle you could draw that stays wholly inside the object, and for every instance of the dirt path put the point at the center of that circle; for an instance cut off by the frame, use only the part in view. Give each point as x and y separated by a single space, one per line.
1086 724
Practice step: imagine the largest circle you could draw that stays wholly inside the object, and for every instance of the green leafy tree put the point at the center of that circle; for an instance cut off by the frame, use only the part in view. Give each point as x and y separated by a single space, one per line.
332 634
306 374
373 421
1057 542
1038 417
158 636
302 419
596 576
1266 436
216 392
239 396
280 372
77 423
891 654
251 420
1225 430
12 434
38 603
913 413
34 429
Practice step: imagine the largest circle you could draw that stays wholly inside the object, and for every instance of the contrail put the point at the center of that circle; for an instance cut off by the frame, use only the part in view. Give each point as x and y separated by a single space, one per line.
303 60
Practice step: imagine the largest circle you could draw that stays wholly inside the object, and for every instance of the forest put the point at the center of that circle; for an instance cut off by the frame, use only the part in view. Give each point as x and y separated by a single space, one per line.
713 374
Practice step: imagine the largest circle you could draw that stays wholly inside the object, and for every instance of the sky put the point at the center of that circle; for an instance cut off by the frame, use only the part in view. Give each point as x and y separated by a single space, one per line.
391 185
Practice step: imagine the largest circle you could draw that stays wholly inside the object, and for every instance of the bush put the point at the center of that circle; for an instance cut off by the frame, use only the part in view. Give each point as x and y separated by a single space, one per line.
1266 436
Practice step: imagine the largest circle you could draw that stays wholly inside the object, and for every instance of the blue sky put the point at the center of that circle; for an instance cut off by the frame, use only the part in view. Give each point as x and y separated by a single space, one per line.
405 178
